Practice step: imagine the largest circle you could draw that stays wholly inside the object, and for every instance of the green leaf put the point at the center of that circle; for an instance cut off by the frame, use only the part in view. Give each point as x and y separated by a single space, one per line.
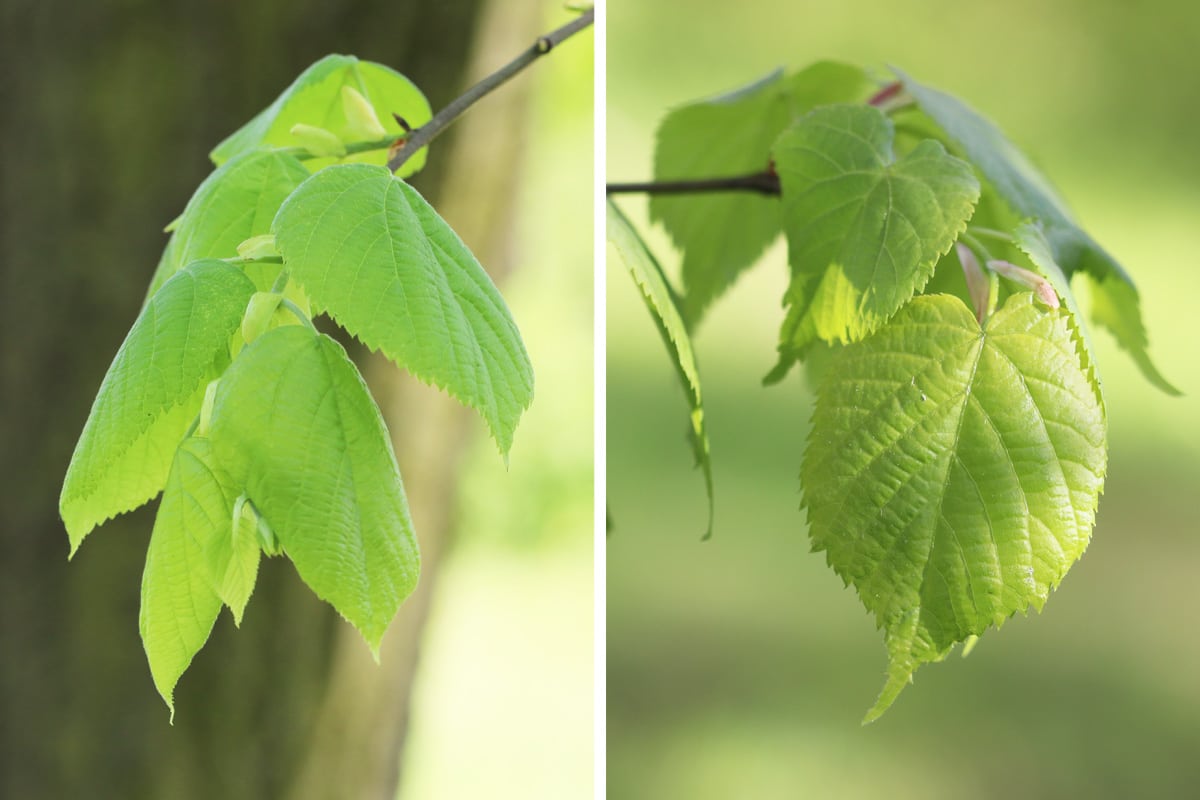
864 230
315 98
369 251
236 581
294 426
952 473
1028 192
1030 239
237 201
179 605
664 310
721 234
152 392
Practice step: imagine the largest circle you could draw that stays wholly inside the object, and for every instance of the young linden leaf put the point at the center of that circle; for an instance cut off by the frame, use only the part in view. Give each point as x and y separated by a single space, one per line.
152 393
179 604
723 233
952 473
864 230
315 98
369 251
661 302
236 202
295 428
1028 192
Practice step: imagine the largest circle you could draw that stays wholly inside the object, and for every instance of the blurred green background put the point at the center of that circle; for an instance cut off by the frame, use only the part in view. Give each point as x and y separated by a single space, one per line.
740 667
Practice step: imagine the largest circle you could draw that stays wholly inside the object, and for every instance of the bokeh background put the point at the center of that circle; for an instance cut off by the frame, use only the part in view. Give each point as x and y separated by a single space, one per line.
108 112
741 667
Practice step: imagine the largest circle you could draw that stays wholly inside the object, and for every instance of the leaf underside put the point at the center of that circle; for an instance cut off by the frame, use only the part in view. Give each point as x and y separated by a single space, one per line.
661 302
370 252
952 473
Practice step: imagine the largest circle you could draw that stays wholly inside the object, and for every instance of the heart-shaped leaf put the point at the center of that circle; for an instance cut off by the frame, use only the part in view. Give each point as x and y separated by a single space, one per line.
953 473
864 230
369 251
297 431
722 233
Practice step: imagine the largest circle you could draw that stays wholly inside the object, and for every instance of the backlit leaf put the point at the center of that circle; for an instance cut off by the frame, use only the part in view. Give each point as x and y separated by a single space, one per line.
315 98
295 428
179 605
952 473
1029 193
864 229
152 393
369 251
723 233
237 201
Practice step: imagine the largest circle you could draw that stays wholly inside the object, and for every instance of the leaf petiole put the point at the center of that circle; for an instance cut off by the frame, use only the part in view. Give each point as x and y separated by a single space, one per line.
298 313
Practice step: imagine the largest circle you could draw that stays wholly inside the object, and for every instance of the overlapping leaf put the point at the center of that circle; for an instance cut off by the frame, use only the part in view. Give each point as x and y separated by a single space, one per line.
664 310
369 251
723 233
314 98
151 394
952 474
1029 193
864 229
179 602
294 426
237 201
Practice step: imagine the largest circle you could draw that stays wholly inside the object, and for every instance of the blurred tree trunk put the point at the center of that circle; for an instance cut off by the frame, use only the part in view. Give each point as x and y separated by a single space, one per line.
106 113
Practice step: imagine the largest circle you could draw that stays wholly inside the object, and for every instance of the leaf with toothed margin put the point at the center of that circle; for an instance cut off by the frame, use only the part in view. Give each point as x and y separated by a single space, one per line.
370 252
723 233
864 229
315 98
664 310
179 602
295 428
952 473
152 393
1026 190
237 201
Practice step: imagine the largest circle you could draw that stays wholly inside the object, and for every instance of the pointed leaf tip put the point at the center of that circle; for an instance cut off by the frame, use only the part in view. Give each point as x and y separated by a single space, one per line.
957 477
369 251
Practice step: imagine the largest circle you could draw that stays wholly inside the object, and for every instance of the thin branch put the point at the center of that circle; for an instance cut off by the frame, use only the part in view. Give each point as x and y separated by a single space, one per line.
430 130
766 182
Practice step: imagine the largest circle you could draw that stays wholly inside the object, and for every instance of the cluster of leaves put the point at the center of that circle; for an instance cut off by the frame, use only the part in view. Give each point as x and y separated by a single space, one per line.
958 446
257 429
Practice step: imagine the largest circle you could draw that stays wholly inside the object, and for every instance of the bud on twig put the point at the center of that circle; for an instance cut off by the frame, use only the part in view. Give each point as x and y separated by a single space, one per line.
361 121
1030 280
318 141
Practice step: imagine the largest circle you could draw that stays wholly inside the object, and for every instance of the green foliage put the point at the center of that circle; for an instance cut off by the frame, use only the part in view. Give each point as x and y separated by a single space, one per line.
957 452
1019 184
151 394
663 305
259 431
864 229
315 99
953 473
723 234
371 253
